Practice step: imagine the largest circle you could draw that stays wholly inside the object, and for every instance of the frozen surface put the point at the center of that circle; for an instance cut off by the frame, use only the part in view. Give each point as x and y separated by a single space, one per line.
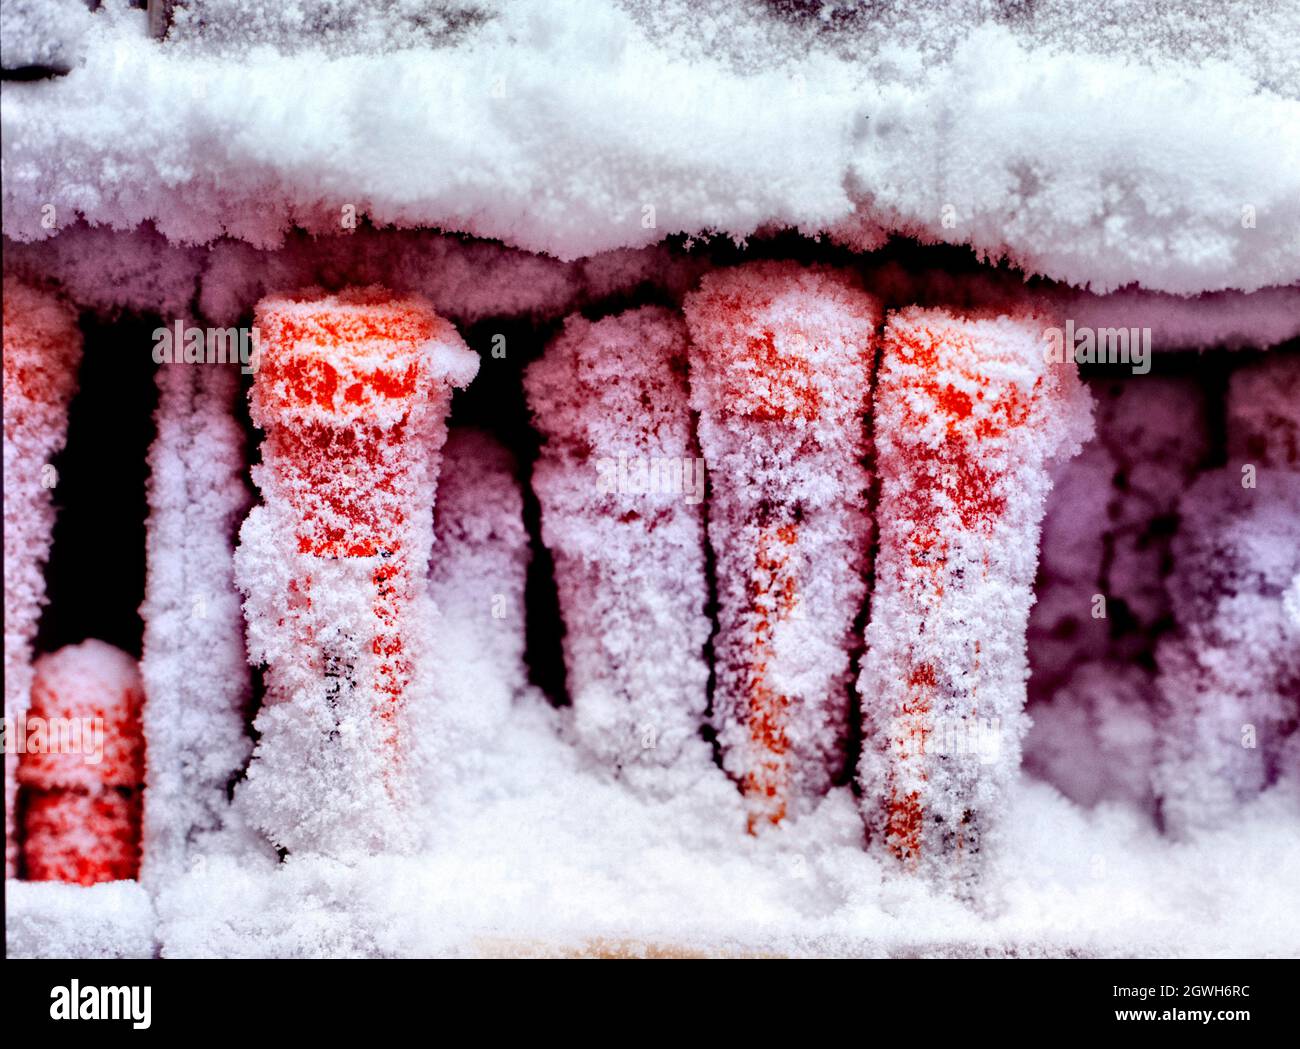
538 855
50 920
1170 157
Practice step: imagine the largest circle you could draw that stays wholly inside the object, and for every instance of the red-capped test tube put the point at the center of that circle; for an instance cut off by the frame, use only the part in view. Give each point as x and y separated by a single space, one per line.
353 392
780 372
42 349
83 766
969 411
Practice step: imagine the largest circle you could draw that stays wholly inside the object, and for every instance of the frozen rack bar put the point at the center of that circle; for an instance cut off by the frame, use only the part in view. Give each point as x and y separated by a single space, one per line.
621 488
42 348
84 766
352 391
477 578
968 414
1230 673
781 363
1091 691
196 676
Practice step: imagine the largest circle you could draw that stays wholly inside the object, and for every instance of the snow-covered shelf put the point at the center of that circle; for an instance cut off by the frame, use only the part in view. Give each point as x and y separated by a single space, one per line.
1148 145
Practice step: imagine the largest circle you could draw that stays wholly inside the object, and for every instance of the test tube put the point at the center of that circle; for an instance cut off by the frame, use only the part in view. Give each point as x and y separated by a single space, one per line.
83 770
352 391
42 349
969 413
196 675
780 371
621 487
1230 672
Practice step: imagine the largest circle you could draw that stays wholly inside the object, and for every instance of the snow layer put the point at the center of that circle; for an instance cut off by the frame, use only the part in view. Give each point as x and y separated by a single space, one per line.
50 920
576 128
539 855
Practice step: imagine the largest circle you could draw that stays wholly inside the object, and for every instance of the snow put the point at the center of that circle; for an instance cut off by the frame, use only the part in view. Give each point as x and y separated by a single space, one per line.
514 868
45 919
48 33
1091 166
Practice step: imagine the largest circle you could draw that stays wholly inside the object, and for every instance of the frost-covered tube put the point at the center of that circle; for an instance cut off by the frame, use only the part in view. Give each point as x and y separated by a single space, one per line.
352 391
1230 672
968 415
477 578
42 349
621 487
781 363
83 770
